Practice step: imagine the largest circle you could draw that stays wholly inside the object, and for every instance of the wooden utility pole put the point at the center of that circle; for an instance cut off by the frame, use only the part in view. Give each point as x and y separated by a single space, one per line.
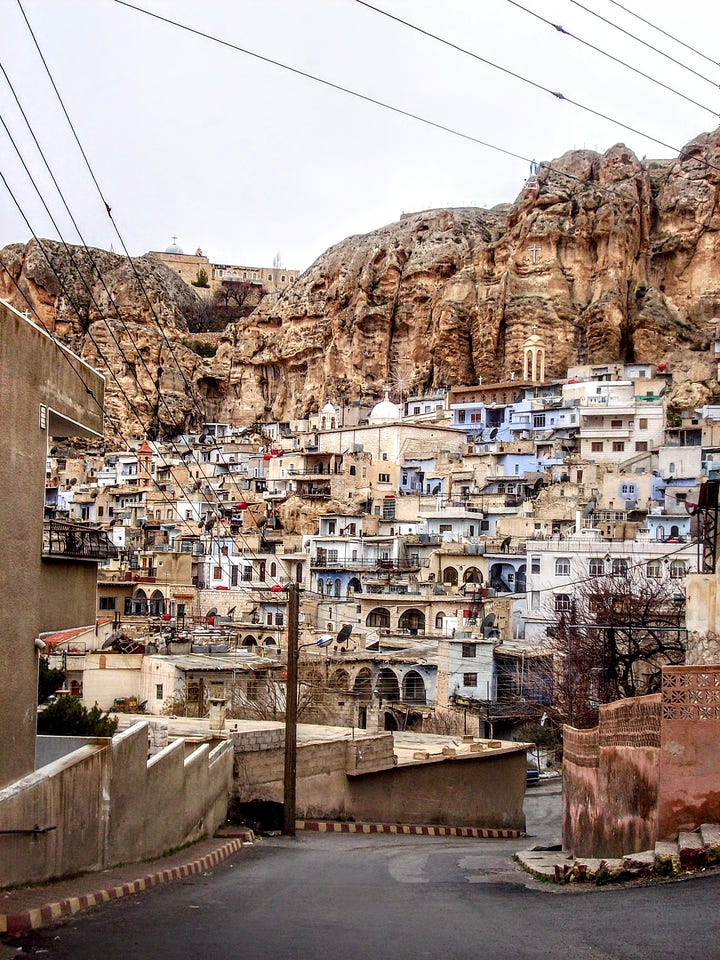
291 710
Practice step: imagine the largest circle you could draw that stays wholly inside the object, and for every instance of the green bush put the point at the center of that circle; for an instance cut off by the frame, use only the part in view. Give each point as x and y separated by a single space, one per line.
67 717
202 279
49 680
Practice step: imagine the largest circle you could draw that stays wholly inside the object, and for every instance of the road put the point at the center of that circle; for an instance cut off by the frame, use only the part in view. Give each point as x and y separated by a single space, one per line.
348 897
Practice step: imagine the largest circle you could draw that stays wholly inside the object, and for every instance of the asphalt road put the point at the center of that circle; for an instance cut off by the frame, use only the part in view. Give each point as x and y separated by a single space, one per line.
349 897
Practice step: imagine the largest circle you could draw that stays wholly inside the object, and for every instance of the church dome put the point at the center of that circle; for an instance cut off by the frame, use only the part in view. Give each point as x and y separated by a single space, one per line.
173 248
385 410
329 409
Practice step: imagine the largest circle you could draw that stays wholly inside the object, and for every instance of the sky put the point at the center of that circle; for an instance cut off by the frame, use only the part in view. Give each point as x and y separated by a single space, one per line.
246 160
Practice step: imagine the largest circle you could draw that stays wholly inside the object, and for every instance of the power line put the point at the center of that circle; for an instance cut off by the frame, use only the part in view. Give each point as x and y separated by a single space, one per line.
627 33
670 36
398 110
523 79
586 43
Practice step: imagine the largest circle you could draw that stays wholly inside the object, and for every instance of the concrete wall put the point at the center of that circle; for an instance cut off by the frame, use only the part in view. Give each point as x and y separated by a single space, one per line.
55 594
648 770
106 803
358 779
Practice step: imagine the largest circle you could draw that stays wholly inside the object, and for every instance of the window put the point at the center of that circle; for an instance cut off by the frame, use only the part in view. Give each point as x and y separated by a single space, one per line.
642 423
618 446
158 691
562 602
269 618
247 574
596 446
619 568
676 569
279 619
445 528
562 567
234 576
107 603
384 478
534 564
469 650
654 569
596 567
534 599
539 420
469 679
616 424
353 470
461 416
641 446
384 456
416 410
217 573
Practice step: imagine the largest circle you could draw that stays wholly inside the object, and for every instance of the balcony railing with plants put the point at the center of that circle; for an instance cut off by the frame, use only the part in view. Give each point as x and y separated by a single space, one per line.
75 541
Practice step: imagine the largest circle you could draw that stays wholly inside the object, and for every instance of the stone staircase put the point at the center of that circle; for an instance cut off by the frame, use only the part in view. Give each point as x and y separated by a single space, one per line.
693 850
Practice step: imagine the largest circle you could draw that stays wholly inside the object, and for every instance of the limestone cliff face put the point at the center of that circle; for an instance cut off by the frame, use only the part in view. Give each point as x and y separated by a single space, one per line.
605 256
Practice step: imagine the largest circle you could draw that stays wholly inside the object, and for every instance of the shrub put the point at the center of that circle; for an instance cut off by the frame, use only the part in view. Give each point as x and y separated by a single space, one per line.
67 717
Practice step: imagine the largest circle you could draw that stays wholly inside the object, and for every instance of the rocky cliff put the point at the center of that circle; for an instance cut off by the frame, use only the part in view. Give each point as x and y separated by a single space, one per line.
607 257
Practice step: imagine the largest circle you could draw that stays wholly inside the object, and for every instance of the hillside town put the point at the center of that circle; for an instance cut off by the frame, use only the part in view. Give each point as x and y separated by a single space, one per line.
439 540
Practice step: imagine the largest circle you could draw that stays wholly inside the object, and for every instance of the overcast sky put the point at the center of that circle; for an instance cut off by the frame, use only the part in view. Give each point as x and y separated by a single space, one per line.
246 160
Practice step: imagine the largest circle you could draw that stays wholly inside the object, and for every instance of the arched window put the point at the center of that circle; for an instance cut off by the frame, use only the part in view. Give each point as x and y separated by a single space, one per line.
654 570
676 570
387 685
562 567
354 586
157 604
472 575
273 569
439 620
620 568
413 687
340 680
450 576
337 586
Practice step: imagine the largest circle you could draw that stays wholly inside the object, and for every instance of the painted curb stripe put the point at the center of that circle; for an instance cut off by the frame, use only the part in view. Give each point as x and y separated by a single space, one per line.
334 826
16 924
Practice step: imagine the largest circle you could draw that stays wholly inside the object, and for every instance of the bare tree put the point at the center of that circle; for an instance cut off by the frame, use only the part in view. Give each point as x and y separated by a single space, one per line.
611 638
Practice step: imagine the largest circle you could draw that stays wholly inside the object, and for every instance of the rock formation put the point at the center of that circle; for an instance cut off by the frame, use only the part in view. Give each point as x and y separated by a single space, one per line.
607 257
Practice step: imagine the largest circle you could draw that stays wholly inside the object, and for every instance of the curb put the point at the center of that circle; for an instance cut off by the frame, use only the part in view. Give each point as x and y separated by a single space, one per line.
335 826
16 924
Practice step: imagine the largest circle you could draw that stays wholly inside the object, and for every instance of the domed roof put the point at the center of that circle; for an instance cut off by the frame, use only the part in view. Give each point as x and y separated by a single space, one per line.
173 248
329 408
385 410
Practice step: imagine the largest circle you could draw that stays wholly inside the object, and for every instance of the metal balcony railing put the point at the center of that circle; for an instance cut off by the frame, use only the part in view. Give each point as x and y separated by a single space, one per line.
76 541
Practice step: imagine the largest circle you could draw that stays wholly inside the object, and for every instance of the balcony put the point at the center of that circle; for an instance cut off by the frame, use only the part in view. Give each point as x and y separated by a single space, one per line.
74 541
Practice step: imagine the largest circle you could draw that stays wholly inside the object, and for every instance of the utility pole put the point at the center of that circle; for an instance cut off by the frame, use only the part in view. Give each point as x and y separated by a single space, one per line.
291 710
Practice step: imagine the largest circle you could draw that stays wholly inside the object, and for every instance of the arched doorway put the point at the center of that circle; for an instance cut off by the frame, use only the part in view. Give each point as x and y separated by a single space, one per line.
413 621
472 575
414 688
249 642
450 576
378 617
363 684
354 586
157 604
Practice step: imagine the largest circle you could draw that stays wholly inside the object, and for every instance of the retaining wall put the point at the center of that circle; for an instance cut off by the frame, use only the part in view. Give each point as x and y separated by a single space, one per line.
106 804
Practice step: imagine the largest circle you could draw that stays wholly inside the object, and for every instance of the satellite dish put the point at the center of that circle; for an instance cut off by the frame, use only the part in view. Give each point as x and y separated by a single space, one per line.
344 633
325 640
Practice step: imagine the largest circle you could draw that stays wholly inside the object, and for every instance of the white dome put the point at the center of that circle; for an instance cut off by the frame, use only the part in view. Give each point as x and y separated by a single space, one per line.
385 410
328 408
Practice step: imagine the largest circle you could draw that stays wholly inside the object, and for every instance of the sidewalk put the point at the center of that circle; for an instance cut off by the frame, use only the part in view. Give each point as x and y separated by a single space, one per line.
28 908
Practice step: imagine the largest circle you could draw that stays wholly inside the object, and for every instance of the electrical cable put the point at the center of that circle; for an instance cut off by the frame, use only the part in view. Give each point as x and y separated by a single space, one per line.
398 110
523 79
670 36
586 43
627 33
